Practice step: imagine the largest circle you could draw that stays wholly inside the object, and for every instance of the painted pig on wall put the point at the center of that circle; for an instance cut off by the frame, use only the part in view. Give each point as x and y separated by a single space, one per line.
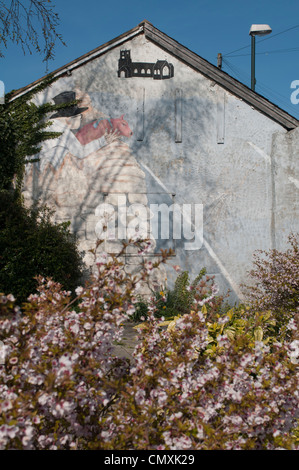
96 129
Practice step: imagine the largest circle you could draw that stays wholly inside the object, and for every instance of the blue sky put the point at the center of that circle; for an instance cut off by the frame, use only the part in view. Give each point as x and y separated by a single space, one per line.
205 27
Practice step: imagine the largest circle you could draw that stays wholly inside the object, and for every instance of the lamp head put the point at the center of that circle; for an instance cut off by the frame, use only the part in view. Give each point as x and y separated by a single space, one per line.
260 30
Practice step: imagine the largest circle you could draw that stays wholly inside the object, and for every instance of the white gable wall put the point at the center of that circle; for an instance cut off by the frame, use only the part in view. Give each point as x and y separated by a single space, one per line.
193 143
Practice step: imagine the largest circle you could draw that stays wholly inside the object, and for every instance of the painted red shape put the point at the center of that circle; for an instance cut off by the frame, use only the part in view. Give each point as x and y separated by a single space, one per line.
96 129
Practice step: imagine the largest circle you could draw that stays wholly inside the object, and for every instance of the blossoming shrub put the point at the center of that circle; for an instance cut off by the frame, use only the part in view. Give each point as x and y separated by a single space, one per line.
52 391
179 396
276 278
60 374
203 382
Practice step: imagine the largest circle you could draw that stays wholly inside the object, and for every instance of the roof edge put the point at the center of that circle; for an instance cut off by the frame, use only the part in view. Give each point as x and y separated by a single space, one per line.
93 54
222 78
191 59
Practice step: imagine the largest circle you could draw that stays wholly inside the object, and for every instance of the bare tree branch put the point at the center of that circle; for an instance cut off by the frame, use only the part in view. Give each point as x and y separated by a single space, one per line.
30 23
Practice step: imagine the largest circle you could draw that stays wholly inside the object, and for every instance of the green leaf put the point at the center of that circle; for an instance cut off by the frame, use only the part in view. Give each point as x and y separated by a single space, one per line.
258 333
230 333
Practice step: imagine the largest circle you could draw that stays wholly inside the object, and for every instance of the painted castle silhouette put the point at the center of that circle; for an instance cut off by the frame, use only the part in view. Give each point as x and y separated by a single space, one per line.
160 70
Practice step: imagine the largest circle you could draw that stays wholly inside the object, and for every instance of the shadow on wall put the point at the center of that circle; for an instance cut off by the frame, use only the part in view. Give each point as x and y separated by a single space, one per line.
74 172
75 176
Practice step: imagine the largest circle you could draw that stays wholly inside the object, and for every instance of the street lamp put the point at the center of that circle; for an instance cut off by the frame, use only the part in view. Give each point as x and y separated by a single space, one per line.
256 30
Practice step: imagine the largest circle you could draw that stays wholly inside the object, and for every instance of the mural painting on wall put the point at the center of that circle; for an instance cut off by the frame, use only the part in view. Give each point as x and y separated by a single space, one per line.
88 130
159 70
91 164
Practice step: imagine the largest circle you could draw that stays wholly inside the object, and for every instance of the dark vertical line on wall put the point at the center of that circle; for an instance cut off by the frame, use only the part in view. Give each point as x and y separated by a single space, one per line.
178 115
35 186
220 118
273 196
140 114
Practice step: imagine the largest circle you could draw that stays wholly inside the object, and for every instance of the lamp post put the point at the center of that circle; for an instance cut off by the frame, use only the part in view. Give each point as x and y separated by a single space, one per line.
256 30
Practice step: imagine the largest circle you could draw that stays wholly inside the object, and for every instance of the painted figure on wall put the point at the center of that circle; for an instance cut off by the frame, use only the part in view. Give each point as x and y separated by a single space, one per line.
92 130
91 163
100 127
96 128
71 110
83 128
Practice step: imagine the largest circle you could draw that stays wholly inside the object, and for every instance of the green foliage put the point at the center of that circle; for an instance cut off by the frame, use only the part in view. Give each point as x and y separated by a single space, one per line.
141 310
31 245
23 128
240 321
177 301
182 296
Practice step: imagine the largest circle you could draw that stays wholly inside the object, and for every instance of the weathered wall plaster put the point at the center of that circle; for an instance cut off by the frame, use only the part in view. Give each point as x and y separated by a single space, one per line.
193 143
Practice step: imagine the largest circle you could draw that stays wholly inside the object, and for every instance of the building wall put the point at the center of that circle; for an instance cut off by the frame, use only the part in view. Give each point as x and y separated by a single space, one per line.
193 143
285 181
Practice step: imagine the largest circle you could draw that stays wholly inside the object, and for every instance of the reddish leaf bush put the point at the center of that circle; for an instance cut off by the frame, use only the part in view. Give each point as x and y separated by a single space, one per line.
276 278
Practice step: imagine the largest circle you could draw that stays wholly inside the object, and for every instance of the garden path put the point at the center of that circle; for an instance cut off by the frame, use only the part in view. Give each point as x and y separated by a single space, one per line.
127 345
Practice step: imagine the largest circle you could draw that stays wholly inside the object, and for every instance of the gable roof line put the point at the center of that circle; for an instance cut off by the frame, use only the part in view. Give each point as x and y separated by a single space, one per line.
191 59
222 78
65 69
